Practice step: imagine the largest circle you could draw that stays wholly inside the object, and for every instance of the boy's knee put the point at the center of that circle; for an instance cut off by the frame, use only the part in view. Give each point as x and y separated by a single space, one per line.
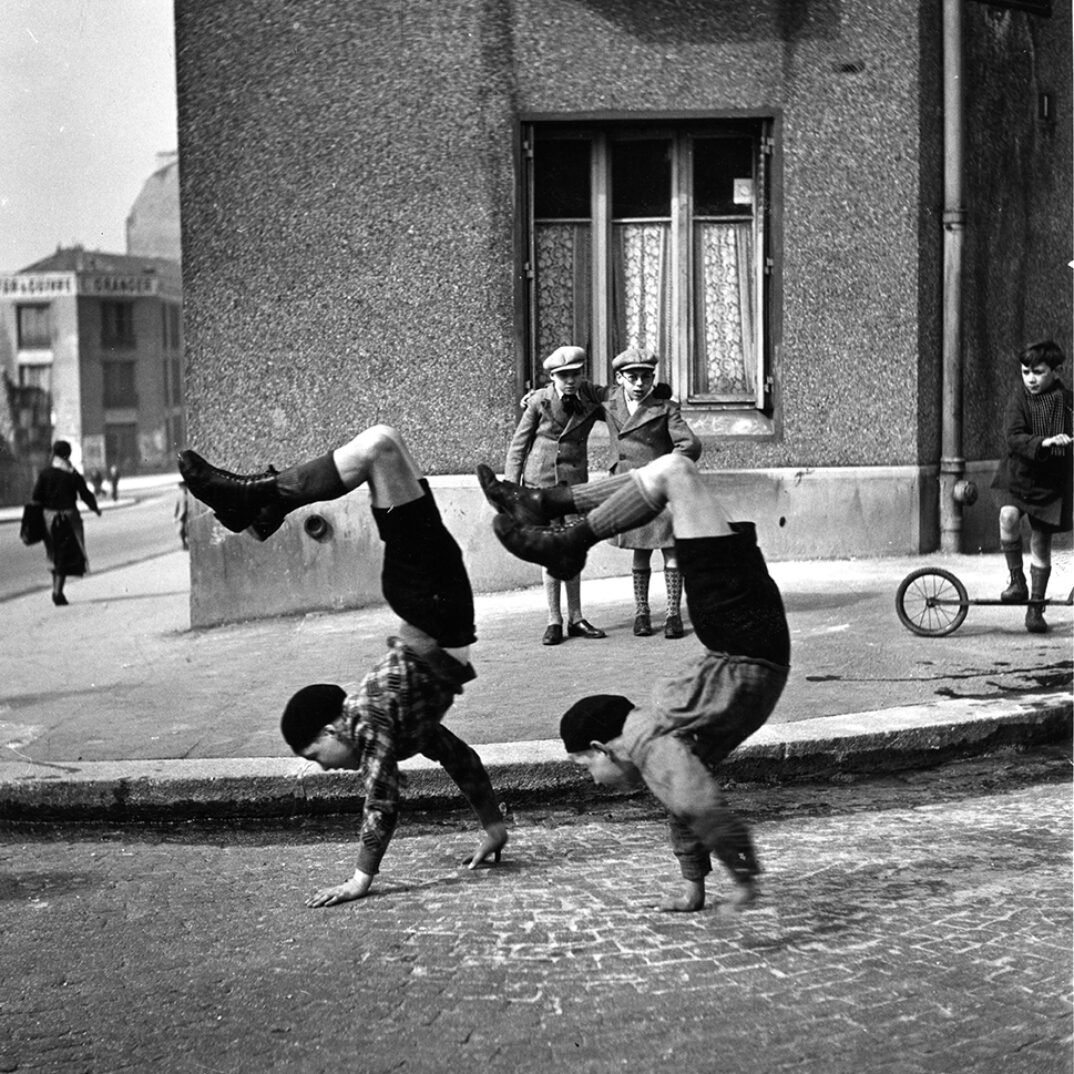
380 439
1009 516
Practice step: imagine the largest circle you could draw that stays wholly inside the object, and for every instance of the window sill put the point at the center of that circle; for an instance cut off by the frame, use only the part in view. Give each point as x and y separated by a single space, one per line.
739 421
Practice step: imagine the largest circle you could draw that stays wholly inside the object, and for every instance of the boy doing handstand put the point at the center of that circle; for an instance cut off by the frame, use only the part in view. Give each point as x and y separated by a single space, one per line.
698 715
396 711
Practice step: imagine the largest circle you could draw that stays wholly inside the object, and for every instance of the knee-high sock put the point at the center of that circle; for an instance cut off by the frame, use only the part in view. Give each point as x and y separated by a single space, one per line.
673 584
641 591
1012 552
1039 582
628 506
551 596
310 482
574 598
587 497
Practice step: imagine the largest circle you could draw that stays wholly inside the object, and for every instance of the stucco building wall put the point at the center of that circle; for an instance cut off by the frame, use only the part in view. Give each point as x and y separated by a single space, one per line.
350 192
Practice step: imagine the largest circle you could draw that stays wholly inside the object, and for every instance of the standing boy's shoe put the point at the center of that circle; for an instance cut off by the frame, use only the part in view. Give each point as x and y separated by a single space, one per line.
643 625
673 627
582 628
553 634
1017 591
1035 623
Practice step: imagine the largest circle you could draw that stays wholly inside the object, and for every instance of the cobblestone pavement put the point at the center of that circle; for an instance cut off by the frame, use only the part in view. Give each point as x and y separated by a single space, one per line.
920 923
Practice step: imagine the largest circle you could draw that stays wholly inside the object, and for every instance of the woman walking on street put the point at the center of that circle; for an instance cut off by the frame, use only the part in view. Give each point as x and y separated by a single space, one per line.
57 490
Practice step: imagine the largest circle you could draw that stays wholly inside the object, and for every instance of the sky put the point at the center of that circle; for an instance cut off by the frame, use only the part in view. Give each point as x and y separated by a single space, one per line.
87 103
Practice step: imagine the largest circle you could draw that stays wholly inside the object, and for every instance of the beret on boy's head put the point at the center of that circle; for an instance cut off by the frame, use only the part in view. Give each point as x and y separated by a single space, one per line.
597 718
309 712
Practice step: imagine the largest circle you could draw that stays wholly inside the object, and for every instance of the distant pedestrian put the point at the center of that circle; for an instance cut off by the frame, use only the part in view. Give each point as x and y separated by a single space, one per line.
398 709
58 488
97 481
113 480
1035 478
642 428
698 715
182 513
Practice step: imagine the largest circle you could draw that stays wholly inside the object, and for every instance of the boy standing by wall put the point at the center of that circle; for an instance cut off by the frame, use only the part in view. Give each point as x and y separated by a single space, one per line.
642 428
551 447
1034 479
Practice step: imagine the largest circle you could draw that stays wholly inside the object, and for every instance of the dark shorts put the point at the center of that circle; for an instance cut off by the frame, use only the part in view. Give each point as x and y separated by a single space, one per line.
734 605
424 579
1050 517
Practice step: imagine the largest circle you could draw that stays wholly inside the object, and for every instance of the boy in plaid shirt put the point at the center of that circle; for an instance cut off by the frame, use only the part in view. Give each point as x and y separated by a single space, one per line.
397 710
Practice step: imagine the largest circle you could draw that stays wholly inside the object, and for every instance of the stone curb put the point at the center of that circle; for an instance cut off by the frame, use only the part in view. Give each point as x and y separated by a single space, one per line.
221 789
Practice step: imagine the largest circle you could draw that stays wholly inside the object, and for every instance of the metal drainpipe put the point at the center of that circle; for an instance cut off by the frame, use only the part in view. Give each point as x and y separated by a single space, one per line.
953 489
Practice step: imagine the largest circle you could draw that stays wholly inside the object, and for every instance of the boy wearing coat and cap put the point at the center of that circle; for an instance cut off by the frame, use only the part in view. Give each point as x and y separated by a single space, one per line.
643 427
700 713
550 447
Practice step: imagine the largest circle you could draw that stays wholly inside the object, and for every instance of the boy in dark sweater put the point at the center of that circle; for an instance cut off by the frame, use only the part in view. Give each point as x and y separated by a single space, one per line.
1035 478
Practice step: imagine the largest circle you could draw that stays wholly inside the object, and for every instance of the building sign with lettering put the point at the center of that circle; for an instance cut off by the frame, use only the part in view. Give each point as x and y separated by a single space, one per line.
38 285
109 286
61 284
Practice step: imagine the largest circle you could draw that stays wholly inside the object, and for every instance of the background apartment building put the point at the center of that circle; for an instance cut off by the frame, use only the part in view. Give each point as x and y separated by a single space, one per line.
91 350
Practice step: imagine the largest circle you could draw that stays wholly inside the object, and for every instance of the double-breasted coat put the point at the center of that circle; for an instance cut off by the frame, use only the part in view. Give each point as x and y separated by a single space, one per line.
550 444
656 428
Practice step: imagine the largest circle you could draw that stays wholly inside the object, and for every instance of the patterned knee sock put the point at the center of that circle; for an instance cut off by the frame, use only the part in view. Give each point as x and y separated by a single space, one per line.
673 584
641 591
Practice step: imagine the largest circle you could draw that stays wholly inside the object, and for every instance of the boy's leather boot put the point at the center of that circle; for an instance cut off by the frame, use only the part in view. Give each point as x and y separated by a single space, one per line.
1017 591
297 486
235 499
560 549
1035 623
529 507
260 502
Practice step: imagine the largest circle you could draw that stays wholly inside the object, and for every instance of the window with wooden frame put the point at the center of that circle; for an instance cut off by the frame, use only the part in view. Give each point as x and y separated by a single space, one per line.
653 236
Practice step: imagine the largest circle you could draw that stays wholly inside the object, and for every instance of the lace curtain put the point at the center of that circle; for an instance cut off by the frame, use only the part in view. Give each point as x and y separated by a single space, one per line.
641 289
564 278
724 363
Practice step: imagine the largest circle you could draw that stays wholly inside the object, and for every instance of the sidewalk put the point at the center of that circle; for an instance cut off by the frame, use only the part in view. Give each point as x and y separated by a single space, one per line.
128 713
